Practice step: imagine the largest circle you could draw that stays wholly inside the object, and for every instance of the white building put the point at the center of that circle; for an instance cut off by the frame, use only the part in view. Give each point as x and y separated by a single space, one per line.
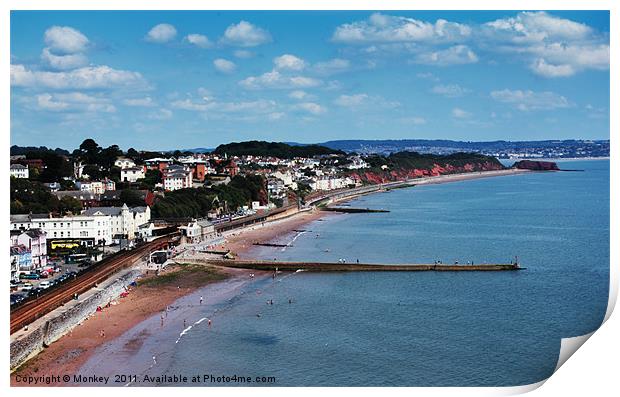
124 162
124 221
19 171
132 174
96 187
328 183
88 230
198 230
177 179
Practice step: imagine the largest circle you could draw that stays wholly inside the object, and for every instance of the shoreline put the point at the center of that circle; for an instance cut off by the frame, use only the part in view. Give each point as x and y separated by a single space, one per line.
72 351
69 353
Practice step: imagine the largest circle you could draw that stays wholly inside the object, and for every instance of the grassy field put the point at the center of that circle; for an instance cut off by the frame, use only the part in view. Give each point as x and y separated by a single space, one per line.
185 274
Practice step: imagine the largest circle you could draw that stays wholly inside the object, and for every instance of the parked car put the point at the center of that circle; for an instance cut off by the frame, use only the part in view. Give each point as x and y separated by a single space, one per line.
29 276
45 284
26 287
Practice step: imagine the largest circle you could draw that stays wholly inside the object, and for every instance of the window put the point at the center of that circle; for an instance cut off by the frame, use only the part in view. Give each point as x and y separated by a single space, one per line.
62 234
55 234
54 224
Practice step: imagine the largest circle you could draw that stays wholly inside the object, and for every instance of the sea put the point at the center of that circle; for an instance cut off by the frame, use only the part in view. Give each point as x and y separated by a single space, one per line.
400 329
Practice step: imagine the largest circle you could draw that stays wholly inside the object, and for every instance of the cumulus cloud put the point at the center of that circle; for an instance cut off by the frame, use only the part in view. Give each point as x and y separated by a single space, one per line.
455 55
311 107
542 68
449 90
261 106
358 101
65 40
277 80
539 26
139 102
160 114
460 113
161 33
199 40
552 46
224 66
73 102
243 54
350 100
381 28
83 78
289 62
531 100
244 34
332 66
63 62
299 95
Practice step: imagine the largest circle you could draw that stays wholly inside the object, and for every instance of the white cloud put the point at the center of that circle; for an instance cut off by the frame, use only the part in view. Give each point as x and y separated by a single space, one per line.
449 90
139 102
65 40
260 106
289 62
552 46
224 66
350 100
161 33
413 120
455 55
460 113
542 68
199 40
311 107
276 115
332 66
427 76
244 34
82 78
531 100
63 62
160 114
243 54
381 28
299 94
276 80
358 101
539 26
73 102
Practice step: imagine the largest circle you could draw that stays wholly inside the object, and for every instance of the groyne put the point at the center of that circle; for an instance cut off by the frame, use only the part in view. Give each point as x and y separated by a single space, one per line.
352 267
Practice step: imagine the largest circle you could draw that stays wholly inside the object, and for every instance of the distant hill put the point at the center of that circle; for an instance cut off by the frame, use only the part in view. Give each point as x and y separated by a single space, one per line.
275 149
16 150
571 147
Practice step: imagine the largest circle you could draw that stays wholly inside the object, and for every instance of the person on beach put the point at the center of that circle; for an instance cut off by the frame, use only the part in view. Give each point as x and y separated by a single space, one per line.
201 299
102 333
209 323
154 361
184 324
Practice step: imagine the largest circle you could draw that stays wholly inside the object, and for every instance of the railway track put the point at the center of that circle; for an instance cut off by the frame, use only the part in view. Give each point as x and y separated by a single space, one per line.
32 310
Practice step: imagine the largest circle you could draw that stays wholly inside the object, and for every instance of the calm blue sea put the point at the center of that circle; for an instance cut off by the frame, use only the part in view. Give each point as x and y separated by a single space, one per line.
414 329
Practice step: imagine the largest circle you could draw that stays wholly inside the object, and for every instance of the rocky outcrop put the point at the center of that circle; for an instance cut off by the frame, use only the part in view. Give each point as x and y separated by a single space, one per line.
536 165
375 177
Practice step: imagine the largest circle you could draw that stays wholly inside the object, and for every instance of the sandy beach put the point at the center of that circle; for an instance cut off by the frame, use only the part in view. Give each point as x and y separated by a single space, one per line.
70 352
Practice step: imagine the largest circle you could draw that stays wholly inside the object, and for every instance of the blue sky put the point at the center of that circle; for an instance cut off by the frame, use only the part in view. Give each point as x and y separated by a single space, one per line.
168 80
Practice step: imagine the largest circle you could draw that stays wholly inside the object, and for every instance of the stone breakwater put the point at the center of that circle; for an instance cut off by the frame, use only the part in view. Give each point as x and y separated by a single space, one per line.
47 331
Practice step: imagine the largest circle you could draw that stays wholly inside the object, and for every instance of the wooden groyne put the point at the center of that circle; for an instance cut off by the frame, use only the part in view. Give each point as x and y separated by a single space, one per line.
351 210
270 244
355 267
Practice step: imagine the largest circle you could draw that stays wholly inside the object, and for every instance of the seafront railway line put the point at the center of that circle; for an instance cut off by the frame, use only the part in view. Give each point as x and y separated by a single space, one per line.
33 309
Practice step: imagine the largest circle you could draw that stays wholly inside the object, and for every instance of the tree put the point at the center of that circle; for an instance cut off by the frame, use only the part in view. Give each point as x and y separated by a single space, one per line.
132 197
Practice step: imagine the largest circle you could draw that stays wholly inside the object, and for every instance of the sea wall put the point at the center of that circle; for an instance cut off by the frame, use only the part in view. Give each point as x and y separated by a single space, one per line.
51 330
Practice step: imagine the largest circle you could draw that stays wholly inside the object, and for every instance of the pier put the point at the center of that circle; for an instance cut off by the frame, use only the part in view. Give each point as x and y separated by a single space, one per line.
354 267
